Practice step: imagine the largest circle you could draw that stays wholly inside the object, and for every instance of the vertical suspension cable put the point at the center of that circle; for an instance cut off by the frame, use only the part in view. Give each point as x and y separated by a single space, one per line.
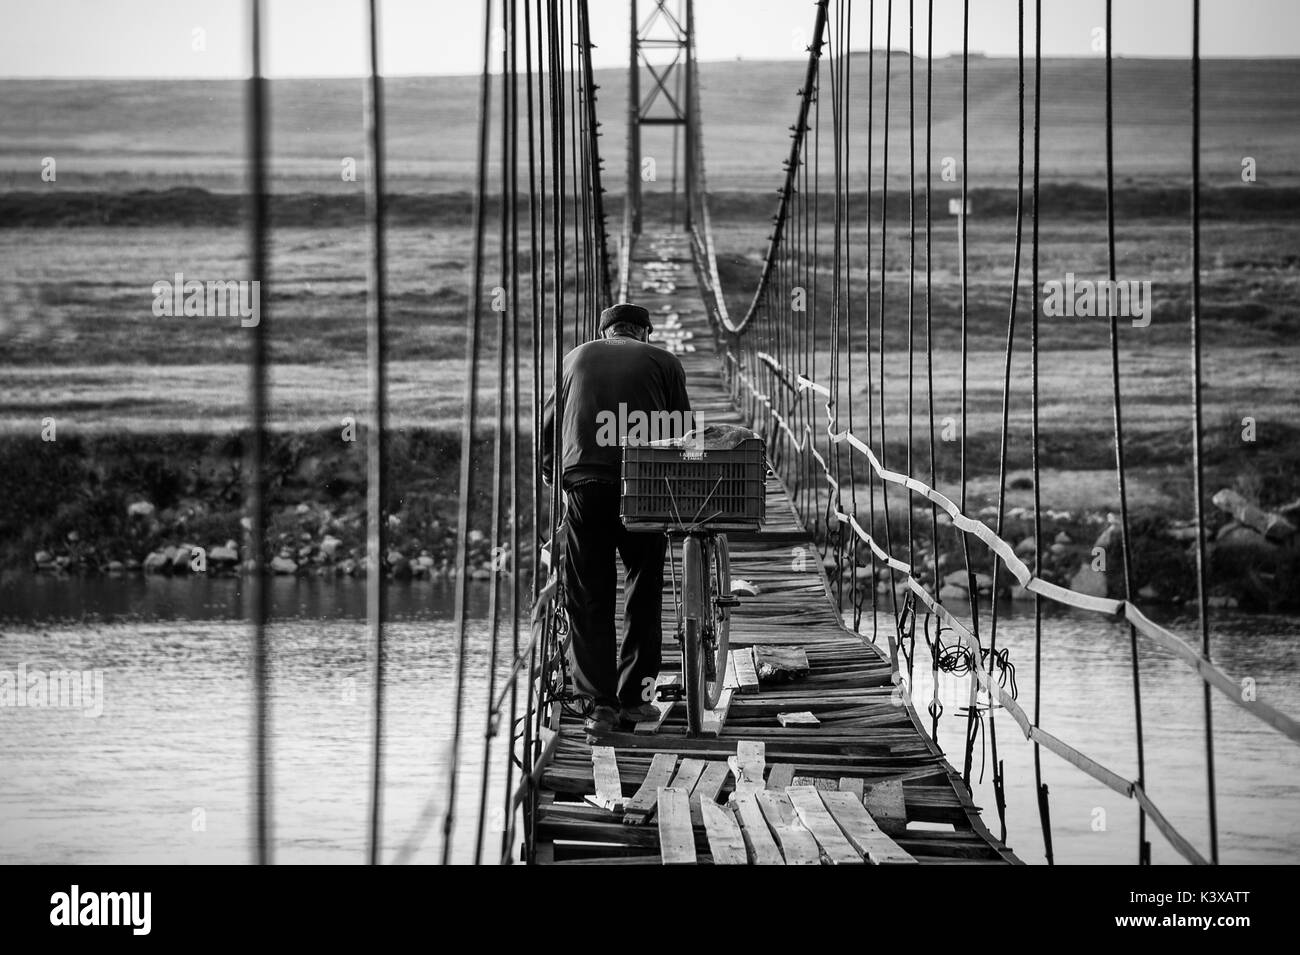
810 364
936 706
501 466
1198 478
911 270
376 463
530 744
558 210
1040 788
535 407
473 325
972 715
892 632
866 306
839 316
999 793
259 592
1144 847
516 483
835 505
536 274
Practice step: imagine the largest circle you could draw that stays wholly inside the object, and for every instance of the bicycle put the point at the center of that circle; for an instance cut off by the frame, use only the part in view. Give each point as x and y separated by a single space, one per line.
719 490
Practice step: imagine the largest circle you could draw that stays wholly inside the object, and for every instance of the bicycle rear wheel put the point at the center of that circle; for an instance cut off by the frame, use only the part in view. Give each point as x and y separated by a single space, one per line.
720 616
696 607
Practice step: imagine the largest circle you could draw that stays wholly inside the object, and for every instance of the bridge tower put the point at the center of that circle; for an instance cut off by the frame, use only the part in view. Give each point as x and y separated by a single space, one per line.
661 93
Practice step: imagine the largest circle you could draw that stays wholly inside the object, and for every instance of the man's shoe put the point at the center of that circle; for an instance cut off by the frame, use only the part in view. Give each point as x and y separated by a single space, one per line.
646 712
602 721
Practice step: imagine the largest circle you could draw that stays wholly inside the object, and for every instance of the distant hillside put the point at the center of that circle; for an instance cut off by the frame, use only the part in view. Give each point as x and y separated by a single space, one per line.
133 134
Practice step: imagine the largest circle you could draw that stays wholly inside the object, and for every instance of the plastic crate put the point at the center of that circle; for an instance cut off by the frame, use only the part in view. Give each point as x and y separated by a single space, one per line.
673 487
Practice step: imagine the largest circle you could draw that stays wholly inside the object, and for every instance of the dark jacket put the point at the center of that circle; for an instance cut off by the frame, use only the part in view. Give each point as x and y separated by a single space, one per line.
608 384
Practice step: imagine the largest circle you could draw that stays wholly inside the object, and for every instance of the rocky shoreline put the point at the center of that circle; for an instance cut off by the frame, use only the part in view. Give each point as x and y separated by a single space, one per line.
174 505
1252 557
326 545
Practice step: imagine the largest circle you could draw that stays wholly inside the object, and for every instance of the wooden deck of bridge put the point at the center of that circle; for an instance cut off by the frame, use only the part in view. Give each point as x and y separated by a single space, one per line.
781 794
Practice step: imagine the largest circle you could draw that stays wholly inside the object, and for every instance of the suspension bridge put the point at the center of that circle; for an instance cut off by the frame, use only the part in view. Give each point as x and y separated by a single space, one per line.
834 763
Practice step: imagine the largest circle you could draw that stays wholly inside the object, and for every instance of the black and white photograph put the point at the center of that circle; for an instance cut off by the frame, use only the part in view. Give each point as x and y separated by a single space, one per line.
651 432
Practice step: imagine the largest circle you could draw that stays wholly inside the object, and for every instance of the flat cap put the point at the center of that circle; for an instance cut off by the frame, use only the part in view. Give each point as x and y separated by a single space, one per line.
624 312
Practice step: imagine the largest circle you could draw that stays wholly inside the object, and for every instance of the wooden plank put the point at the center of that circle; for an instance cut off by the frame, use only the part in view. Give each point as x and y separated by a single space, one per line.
747 766
885 803
797 844
742 662
688 773
642 805
663 706
716 717
780 776
851 784
807 802
801 718
709 786
859 828
726 841
676 837
758 838
609 788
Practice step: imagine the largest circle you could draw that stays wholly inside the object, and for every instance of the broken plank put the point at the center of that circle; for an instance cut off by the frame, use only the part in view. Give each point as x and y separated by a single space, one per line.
778 664
604 770
716 717
709 786
797 844
747 766
885 803
816 818
859 828
642 805
741 663
726 842
676 837
663 706
851 784
780 776
758 838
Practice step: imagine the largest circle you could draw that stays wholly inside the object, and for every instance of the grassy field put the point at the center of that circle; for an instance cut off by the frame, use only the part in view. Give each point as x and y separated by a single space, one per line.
172 375
124 135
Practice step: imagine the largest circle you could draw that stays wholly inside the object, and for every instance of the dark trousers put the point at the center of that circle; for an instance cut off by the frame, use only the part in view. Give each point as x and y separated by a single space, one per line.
613 676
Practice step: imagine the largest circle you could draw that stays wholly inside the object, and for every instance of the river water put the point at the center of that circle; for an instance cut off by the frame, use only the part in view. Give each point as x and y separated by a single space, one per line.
163 774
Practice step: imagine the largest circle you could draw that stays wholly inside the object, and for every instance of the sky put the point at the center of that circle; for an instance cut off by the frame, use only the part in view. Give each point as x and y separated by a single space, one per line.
209 38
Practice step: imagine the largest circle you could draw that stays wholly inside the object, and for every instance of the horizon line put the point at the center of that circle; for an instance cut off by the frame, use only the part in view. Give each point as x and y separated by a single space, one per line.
974 54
